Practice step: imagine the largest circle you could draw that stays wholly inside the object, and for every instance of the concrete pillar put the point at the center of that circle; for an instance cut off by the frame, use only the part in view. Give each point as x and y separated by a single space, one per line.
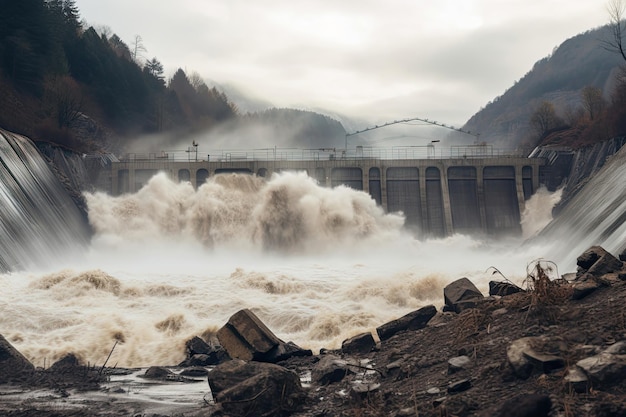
131 179
480 190
383 186
445 196
423 198
519 187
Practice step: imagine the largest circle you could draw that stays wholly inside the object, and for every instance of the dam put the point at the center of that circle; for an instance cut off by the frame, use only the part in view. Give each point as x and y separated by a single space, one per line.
469 190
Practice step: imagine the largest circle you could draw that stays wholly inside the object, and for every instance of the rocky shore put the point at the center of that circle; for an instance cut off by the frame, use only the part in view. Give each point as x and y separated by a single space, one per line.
556 347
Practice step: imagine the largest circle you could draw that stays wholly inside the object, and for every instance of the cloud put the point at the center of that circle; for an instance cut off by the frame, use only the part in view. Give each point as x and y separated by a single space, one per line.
368 58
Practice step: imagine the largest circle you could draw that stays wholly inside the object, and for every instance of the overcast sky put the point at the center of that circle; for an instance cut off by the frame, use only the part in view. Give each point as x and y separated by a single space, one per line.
377 60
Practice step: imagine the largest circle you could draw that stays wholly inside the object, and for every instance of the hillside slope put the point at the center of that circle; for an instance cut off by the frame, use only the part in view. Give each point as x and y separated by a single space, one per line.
578 62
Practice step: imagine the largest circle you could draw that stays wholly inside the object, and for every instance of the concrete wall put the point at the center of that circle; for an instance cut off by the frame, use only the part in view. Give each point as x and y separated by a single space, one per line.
439 197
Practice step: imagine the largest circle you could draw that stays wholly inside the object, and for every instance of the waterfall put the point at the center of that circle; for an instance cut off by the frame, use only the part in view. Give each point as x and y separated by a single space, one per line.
596 215
39 222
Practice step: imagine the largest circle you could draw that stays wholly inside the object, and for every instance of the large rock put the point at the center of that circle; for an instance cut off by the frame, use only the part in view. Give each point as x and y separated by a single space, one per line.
503 288
13 365
461 294
360 344
524 357
201 353
255 389
413 321
604 369
597 262
246 337
330 369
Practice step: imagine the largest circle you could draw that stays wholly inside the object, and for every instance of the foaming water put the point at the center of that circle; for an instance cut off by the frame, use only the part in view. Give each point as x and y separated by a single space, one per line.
538 211
317 265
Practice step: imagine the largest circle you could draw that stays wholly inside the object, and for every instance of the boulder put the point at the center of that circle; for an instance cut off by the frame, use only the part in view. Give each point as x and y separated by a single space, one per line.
67 363
255 388
330 369
524 358
359 344
604 369
246 337
461 295
285 351
413 321
201 353
13 365
503 288
584 286
158 372
597 262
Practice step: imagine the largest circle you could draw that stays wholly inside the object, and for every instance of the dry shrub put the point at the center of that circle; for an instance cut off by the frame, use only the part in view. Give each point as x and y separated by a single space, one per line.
468 323
546 293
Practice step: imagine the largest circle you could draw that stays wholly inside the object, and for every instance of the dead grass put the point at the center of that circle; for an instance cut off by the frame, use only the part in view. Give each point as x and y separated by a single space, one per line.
546 291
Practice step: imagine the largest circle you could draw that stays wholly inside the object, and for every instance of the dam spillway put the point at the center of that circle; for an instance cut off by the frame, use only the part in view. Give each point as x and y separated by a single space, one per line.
465 193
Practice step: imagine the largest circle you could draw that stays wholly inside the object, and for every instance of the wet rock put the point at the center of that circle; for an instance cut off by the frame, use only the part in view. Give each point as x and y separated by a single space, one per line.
66 364
246 337
359 344
255 388
194 372
597 262
413 321
503 288
158 372
196 345
285 351
12 363
461 295
329 369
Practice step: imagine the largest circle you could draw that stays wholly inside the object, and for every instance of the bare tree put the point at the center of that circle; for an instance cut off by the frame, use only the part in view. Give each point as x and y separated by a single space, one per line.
195 79
544 119
138 48
593 102
616 9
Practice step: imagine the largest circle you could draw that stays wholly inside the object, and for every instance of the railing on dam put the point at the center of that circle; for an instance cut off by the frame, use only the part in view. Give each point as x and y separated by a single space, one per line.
192 154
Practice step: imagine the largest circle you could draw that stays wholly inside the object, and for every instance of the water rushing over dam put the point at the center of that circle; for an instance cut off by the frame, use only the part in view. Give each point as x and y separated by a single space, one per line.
471 194
174 255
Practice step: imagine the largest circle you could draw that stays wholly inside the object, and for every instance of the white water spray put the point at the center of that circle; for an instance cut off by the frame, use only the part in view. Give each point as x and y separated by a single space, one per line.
317 265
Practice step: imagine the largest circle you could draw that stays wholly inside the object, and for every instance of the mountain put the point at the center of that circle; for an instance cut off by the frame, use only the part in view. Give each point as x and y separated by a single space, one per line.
559 79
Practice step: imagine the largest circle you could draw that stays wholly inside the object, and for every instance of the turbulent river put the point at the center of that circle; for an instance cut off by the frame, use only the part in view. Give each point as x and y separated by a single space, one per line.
317 265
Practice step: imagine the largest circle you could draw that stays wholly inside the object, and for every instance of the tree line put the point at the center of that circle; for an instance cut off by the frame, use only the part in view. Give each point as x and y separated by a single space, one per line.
54 69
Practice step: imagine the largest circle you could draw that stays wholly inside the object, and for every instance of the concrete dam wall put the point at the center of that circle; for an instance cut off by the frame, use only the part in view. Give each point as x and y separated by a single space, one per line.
438 197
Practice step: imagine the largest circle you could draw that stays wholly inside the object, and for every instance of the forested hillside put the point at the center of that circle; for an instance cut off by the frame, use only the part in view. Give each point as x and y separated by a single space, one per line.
62 81
574 97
